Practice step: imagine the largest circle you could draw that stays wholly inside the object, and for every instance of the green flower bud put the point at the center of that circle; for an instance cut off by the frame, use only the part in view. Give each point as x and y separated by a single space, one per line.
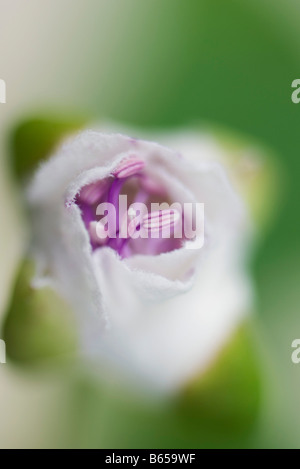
33 140
37 326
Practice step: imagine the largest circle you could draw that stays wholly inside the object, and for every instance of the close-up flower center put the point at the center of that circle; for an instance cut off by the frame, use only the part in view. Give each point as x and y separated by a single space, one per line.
132 227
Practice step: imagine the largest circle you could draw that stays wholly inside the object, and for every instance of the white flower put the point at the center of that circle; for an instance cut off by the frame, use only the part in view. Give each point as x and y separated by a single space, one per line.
157 313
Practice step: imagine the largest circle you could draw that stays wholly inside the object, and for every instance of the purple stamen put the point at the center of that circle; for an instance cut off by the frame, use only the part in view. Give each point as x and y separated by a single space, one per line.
160 220
113 197
92 193
129 167
145 189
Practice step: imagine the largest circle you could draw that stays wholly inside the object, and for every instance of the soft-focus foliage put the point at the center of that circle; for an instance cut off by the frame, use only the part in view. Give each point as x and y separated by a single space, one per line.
36 138
38 325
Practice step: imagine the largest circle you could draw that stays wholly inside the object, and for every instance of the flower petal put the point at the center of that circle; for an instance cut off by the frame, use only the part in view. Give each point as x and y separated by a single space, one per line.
151 327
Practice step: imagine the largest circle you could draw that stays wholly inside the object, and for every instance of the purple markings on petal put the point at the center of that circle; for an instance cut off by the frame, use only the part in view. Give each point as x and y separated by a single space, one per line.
127 237
129 167
97 232
152 187
92 193
133 222
161 219
69 203
87 214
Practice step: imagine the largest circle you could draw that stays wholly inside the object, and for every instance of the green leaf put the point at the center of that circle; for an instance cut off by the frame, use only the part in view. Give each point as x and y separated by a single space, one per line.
227 397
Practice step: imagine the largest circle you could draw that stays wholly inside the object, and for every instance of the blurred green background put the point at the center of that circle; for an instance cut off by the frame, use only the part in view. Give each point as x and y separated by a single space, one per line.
162 64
